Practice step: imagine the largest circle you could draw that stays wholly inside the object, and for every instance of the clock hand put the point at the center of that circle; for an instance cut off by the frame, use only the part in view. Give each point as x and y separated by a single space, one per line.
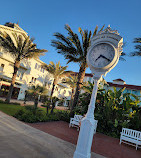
98 58
102 57
105 57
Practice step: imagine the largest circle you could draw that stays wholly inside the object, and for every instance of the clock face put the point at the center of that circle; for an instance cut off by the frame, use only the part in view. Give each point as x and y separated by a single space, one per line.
101 55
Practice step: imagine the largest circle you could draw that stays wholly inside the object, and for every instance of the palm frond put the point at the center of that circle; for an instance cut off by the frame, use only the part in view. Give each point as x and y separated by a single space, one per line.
95 31
57 70
102 28
20 46
137 40
137 47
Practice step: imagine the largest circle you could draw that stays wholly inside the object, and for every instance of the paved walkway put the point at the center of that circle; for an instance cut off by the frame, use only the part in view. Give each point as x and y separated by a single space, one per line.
19 140
20 101
102 144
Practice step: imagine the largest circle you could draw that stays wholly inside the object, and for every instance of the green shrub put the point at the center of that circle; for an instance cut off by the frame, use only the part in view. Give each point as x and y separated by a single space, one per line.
114 110
63 116
29 107
31 115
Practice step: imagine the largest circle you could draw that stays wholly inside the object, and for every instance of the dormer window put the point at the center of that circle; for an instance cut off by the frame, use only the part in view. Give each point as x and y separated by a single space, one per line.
119 81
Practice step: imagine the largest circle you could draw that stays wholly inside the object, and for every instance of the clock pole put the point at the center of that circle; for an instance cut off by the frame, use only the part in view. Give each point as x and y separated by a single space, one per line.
88 127
106 44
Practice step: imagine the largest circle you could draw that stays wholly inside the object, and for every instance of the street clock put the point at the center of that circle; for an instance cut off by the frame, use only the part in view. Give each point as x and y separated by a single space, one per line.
103 55
104 51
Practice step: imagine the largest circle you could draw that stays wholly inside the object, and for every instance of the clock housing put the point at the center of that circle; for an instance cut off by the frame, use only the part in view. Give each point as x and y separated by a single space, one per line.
101 55
104 52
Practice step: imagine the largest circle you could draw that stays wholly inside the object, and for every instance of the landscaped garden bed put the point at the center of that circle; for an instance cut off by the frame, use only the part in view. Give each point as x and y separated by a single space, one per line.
30 114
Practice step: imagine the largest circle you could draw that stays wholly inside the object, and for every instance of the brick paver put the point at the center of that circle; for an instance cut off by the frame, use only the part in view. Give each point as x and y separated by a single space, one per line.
102 144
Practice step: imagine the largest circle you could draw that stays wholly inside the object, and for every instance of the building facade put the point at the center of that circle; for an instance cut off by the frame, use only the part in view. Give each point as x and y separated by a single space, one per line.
30 72
118 83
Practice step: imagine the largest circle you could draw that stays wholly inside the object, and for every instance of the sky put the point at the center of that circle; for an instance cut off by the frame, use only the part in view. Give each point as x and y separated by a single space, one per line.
40 19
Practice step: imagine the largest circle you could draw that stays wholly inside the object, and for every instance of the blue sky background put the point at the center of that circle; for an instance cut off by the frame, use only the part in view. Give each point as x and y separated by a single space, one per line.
40 19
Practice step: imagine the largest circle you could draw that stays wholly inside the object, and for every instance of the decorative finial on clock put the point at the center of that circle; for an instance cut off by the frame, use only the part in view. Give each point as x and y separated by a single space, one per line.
109 30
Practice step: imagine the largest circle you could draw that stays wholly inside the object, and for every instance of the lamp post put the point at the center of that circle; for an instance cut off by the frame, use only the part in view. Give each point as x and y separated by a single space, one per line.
103 55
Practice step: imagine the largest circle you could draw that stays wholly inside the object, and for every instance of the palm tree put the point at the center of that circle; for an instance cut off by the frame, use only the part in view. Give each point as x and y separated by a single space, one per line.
137 47
37 91
58 72
71 81
20 47
75 50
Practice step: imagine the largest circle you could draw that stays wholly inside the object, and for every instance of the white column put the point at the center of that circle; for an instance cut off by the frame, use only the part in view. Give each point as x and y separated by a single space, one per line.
88 126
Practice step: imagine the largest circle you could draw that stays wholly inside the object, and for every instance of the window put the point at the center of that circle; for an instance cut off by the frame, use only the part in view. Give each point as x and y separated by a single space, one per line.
128 91
56 89
135 92
41 69
49 84
45 84
64 91
36 65
20 74
1 67
32 79
90 79
63 80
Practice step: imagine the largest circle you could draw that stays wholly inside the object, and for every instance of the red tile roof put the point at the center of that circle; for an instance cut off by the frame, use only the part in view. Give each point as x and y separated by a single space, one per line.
86 74
119 79
133 87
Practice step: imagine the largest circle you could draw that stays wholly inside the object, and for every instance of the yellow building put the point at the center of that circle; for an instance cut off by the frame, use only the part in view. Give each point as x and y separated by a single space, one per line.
30 72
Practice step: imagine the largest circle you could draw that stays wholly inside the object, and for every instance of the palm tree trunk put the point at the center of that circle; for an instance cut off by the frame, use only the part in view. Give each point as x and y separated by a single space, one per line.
16 67
53 106
53 86
47 107
71 101
81 76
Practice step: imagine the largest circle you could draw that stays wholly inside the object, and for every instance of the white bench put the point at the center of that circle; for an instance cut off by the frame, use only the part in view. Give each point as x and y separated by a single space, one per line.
129 136
75 122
